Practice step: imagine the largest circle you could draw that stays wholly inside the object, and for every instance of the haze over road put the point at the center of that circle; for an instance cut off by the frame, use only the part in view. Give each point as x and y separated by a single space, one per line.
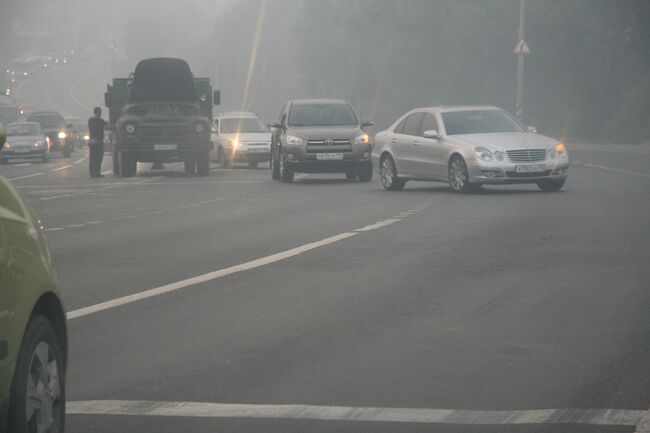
485 307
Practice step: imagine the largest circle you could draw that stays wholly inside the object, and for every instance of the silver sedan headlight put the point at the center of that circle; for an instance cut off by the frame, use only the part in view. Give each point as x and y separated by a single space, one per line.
294 141
483 153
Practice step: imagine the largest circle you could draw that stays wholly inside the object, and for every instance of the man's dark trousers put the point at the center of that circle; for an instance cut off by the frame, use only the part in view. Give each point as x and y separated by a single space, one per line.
96 157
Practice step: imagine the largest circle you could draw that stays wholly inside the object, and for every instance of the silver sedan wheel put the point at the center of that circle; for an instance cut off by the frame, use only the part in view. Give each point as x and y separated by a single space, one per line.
457 174
387 172
43 393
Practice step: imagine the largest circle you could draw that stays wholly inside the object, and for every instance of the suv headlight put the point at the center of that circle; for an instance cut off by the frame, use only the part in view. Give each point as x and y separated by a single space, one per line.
361 139
62 135
484 153
294 141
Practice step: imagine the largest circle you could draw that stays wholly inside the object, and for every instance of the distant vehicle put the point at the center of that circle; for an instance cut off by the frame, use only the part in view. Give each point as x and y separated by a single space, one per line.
33 335
9 114
6 87
55 129
320 136
78 130
25 140
162 114
26 110
467 147
240 137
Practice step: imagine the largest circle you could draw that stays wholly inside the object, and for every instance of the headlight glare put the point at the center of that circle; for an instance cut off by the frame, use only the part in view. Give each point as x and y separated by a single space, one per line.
361 139
62 135
561 150
294 141
483 153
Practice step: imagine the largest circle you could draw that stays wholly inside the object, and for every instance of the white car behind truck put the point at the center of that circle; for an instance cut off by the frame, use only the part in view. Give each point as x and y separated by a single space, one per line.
240 137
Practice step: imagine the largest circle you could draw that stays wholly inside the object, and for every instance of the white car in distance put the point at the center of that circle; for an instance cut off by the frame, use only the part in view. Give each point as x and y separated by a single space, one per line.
240 137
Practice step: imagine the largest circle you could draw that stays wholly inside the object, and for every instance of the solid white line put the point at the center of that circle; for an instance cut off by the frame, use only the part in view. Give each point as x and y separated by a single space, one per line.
29 175
54 229
61 168
378 225
205 277
613 417
79 161
24 164
616 170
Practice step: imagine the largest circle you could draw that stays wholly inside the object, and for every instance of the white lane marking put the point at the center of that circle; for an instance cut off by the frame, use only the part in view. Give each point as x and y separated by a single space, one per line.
29 175
612 417
94 222
105 172
61 168
79 161
81 312
378 225
72 226
54 229
54 197
616 170
643 426
24 164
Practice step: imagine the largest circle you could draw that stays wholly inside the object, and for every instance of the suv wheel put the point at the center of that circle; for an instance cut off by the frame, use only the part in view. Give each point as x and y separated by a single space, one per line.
275 165
388 175
38 389
365 173
286 174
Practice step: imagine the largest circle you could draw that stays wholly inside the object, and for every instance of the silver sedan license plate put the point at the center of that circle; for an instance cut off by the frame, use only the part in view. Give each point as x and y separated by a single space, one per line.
329 156
165 147
538 168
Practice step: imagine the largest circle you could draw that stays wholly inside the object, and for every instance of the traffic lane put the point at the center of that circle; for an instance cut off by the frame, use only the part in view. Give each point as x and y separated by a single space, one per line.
365 320
23 170
329 328
112 248
630 159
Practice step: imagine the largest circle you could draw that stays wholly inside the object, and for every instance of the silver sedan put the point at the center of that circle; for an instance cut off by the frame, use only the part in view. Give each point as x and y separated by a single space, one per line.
467 147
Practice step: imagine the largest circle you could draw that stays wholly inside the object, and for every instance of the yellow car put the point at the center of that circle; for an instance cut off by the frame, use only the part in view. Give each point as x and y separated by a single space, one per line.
33 334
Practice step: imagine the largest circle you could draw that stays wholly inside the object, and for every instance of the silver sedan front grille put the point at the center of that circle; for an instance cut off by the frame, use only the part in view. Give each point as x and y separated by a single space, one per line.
526 155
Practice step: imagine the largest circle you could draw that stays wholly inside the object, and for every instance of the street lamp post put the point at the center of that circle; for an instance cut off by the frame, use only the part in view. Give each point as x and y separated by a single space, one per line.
520 50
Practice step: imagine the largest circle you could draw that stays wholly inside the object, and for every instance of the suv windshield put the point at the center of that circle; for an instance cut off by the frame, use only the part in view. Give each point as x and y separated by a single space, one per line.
48 121
24 129
479 122
234 125
322 115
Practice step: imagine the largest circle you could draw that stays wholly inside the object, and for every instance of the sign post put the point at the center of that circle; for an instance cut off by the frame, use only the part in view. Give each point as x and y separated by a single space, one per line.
520 50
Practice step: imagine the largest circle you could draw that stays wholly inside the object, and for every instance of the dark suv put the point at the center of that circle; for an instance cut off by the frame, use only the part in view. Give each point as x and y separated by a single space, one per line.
55 129
320 136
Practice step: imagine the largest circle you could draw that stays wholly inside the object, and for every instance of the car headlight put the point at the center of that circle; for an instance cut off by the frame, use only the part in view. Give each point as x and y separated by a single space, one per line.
7 146
294 141
561 150
86 137
234 143
361 139
130 128
483 153
498 155
62 135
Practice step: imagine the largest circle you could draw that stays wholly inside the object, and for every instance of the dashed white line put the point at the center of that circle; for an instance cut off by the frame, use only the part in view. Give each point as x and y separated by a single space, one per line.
27 176
615 170
54 229
601 417
378 225
61 168
79 161
24 164
205 277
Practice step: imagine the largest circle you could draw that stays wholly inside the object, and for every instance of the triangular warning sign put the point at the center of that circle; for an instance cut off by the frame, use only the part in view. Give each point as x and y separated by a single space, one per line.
521 47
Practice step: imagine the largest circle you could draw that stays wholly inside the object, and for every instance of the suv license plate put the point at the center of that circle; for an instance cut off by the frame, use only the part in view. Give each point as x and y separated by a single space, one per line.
165 147
329 156
530 168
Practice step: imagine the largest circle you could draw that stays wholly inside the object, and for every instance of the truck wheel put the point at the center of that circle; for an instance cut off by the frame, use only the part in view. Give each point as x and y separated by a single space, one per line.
128 164
116 163
365 173
190 164
203 163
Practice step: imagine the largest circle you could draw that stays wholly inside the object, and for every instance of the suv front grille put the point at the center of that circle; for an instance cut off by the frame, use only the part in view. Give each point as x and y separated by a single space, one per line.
165 133
526 155
329 146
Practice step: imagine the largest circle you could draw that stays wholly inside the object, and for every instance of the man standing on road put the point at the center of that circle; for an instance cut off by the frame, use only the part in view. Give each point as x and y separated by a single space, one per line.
96 126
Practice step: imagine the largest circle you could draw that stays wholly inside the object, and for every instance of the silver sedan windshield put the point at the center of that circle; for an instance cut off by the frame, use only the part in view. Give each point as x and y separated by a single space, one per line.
479 122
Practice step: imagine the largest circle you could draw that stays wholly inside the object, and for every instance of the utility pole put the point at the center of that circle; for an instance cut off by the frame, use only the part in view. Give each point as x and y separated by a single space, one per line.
520 50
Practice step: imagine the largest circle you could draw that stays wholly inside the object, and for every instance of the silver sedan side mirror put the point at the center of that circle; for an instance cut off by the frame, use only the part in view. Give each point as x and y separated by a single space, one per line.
431 133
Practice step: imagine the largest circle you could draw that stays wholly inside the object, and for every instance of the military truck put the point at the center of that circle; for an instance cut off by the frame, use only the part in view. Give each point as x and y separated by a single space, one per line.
161 113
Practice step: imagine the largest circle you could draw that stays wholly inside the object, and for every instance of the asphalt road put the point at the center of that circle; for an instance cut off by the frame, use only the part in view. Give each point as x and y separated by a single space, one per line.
287 308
